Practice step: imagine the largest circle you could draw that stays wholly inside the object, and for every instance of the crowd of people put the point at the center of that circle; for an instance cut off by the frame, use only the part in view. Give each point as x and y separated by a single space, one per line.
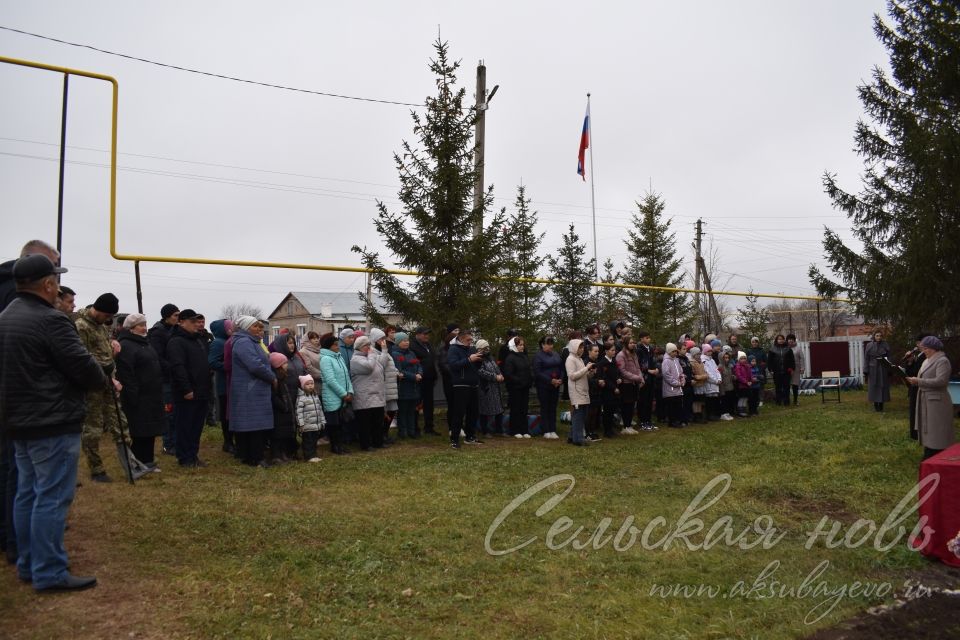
68 378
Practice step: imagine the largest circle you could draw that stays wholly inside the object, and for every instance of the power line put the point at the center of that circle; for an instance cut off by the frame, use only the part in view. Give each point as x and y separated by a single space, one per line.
208 73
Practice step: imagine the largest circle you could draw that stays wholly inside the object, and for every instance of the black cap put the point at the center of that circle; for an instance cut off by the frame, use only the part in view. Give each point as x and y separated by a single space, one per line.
34 267
420 330
513 332
188 314
452 326
107 303
168 310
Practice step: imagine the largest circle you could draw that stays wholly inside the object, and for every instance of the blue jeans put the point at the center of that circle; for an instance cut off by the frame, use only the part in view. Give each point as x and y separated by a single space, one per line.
579 419
47 480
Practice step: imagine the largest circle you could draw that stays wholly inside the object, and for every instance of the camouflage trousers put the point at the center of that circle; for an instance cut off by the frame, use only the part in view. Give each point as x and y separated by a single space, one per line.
101 419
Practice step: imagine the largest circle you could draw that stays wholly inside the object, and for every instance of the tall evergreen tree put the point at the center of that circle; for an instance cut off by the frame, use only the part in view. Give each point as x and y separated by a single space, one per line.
573 304
653 261
612 302
521 303
907 213
432 232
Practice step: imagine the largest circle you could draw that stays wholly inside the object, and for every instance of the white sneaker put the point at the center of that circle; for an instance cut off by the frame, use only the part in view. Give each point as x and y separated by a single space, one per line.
393 424
463 434
519 435
550 435
314 459
527 435
630 431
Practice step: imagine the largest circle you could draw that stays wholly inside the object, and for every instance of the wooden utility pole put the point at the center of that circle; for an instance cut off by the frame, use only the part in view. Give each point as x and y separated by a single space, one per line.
478 151
696 283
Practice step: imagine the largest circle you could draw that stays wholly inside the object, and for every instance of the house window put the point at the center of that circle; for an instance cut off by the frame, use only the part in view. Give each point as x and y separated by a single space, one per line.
290 307
276 331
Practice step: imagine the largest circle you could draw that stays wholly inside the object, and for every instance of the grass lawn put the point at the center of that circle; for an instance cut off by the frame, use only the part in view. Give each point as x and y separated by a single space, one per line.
391 544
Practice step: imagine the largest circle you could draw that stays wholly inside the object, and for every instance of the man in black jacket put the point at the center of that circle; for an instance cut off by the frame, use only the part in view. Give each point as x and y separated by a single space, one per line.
158 337
8 468
190 379
421 346
46 373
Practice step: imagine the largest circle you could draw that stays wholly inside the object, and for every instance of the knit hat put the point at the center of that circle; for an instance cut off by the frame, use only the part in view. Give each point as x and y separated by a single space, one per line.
133 320
715 343
361 342
754 338
482 345
107 303
346 333
277 360
727 349
670 348
304 380
188 314
168 310
400 337
706 348
710 337
376 335
453 326
689 344
694 351
741 355
245 322
932 342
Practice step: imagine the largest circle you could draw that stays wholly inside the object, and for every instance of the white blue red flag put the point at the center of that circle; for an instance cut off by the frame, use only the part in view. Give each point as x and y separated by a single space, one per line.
584 145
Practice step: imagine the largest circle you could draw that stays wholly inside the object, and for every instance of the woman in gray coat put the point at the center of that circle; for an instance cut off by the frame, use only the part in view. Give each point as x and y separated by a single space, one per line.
490 402
878 381
369 392
934 407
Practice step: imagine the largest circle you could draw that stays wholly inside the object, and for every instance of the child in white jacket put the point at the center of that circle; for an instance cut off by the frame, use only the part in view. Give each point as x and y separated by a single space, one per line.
309 417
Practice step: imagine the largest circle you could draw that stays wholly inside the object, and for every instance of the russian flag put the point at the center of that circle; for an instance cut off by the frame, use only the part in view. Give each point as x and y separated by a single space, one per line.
584 144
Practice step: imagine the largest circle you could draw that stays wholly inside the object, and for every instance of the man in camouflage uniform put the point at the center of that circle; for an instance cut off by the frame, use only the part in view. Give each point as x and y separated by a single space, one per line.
93 324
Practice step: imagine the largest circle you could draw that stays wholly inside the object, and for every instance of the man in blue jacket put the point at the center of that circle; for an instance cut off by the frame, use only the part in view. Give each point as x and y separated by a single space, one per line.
46 375
464 363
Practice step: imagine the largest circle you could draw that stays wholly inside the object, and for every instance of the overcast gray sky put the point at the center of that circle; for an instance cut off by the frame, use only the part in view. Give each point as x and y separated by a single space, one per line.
732 111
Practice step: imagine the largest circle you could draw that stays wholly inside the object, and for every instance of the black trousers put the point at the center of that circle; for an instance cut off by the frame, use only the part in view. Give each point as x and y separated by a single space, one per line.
609 408
796 392
224 423
912 393
308 442
463 412
251 445
781 384
369 424
426 399
8 490
549 397
645 403
519 402
674 410
142 447
189 416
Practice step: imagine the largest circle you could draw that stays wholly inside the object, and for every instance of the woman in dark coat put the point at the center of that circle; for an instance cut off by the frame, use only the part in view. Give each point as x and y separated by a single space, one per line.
548 374
138 370
878 381
518 376
781 364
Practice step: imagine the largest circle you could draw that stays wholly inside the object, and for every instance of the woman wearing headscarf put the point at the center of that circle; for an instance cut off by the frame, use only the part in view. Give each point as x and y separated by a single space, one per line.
712 383
548 376
380 342
488 392
139 371
934 408
409 374
310 352
251 383
878 381
673 381
216 358
579 386
369 391
519 378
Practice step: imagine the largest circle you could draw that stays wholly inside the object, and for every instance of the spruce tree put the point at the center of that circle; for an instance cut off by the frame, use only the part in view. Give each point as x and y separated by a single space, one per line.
907 212
573 303
653 261
611 300
432 232
521 303
752 320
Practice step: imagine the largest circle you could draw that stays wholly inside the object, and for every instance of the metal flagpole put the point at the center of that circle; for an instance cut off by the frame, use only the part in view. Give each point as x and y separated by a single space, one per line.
593 204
